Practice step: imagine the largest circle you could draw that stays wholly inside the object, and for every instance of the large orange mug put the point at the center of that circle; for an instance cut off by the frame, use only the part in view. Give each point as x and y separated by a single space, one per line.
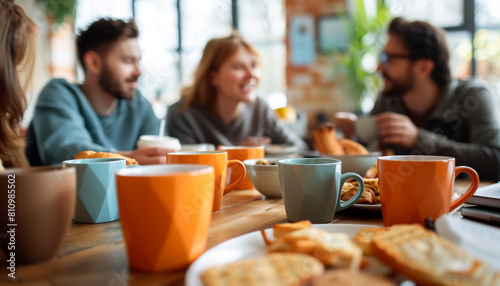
165 213
241 153
413 188
219 161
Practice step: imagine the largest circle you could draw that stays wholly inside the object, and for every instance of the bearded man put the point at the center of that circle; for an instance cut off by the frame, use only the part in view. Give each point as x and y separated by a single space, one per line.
423 111
106 112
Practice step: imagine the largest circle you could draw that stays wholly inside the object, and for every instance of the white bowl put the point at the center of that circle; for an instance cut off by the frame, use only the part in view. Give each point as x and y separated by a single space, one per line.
198 147
264 177
279 150
358 164
157 141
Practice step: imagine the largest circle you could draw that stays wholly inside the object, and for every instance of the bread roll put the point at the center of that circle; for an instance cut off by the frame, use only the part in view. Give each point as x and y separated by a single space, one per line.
353 148
94 155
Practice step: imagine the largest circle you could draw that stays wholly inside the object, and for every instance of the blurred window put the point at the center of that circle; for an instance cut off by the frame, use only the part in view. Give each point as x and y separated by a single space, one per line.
171 48
443 13
262 23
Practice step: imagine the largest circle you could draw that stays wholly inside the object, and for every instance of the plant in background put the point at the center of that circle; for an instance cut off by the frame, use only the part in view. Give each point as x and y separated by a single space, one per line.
364 26
58 10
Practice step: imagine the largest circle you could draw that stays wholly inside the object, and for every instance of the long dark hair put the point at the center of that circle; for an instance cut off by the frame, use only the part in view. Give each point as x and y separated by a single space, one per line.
17 54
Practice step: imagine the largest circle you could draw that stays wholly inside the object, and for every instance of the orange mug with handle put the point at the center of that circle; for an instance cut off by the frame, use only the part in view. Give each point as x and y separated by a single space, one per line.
165 214
241 153
219 161
413 188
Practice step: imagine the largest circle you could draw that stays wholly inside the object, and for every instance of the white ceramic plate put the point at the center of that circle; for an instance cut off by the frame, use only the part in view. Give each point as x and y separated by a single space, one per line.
247 246
280 149
376 208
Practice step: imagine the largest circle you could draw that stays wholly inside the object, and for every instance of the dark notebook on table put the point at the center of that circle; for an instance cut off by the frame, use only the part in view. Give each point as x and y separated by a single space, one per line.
486 203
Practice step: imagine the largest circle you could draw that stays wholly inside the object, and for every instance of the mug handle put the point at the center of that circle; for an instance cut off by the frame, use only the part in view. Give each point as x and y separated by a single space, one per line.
240 179
472 189
361 187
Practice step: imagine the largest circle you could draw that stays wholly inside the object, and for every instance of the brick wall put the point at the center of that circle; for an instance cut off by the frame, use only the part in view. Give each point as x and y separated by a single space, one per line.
316 88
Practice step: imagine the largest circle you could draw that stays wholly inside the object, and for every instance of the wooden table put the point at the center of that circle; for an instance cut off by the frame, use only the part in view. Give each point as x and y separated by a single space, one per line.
94 254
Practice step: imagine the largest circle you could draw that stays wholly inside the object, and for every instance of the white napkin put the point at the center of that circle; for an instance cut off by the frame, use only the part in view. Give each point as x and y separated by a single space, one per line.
481 241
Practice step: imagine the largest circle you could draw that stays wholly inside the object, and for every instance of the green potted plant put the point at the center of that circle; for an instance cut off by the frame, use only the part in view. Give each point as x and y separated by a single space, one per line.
364 32
59 10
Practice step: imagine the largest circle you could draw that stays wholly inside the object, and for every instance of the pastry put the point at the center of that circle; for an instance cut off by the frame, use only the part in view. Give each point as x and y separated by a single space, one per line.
274 269
93 155
352 147
371 192
326 142
348 278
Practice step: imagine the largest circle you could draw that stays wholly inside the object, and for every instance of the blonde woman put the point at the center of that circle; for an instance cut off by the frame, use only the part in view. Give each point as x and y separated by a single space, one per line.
222 106
17 35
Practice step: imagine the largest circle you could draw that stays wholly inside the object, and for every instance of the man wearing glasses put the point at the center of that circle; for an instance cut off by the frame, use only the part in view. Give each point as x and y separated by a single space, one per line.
421 110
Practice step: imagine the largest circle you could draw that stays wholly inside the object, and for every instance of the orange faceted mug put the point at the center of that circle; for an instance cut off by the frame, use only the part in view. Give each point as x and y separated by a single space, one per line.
413 188
219 161
241 153
165 213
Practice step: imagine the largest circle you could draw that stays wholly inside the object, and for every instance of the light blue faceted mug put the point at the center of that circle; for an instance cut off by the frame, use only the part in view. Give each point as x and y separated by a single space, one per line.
311 188
96 198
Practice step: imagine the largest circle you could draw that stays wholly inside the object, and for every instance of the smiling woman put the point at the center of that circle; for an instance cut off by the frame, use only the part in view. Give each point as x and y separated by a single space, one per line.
222 107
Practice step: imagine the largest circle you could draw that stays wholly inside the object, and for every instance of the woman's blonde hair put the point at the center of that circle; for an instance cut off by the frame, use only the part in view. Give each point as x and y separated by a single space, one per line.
17 55
202 93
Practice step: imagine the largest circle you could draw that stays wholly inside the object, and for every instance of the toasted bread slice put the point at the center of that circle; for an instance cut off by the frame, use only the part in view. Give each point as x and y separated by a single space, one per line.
333 249
281 229
429 259
347 278
275 269
364 238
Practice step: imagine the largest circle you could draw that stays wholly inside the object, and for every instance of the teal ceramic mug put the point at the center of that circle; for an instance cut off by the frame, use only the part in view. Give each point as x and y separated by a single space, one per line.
311 188
96 199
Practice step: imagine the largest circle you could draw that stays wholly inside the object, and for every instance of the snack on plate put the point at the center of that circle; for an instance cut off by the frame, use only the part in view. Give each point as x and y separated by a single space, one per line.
429 259
352 147
281 229
273 269
371 193
93 155
326 141
372 172
348 278
265 162
332 249
364 238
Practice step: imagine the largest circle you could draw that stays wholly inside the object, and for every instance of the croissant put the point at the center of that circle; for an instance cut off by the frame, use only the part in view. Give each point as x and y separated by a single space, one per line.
92 155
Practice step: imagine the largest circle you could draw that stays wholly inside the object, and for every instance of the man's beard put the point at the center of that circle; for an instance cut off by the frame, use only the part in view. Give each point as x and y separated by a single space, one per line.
399 88
111 85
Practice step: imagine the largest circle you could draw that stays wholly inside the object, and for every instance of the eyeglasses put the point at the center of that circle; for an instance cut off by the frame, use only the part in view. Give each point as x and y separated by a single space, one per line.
384 57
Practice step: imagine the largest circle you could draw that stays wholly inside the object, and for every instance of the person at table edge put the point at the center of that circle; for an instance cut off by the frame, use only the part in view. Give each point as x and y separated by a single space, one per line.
106 113
423 111
17 59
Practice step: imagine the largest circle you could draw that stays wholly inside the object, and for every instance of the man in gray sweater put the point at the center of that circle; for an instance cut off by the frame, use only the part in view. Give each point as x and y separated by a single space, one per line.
423 111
